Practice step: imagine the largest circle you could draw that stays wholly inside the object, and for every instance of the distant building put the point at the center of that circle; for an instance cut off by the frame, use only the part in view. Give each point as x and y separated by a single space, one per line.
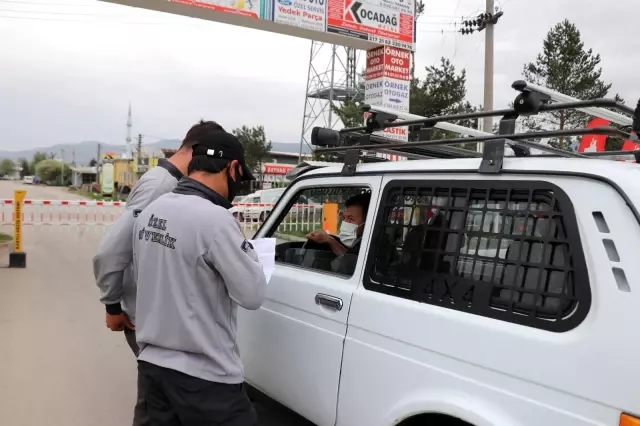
83 176
274 169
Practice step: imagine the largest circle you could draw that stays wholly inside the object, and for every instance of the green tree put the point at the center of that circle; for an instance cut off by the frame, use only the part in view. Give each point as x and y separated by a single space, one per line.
37 157
50 171
7 167
350 112
567 67
93 162
443 91
256 146
24 168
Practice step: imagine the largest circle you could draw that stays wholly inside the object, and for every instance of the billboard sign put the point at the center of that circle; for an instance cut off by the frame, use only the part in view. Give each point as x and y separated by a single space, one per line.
387 84
251 8
360 24
106 178
386 22
277 169
142 165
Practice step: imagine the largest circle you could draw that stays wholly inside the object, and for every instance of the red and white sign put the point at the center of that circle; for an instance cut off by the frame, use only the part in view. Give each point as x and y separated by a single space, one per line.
388 22
277 169
594 143
249 8
389 62
597 143
387 84
630 146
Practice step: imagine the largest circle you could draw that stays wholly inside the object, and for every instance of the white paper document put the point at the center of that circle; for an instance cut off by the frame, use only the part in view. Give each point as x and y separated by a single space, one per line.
266 250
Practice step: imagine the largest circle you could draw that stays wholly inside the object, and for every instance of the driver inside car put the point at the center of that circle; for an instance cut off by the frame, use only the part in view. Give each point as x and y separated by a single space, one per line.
351 228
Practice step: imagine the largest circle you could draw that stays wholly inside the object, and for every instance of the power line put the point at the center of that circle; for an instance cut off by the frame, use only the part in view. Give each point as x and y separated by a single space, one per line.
437 31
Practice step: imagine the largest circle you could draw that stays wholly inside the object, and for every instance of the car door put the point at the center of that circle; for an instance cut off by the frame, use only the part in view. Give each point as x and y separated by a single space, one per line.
292 346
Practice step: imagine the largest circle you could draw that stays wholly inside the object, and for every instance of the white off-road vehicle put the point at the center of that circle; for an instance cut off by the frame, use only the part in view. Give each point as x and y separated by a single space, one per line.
487 290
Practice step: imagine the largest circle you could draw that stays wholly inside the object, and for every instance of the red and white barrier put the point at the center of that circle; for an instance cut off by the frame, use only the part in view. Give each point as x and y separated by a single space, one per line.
62 212
66 203
103 213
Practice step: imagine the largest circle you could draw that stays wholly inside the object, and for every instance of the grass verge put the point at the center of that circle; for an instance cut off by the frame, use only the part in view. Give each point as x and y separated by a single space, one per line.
5 238
91 195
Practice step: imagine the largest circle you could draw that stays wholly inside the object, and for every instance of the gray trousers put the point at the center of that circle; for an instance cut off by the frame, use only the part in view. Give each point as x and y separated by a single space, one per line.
140 415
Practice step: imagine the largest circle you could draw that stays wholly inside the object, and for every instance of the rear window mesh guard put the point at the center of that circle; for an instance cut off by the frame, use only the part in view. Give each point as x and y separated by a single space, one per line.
492 249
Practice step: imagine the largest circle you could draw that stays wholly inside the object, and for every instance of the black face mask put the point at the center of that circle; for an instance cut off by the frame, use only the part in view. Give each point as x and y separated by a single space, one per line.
233 186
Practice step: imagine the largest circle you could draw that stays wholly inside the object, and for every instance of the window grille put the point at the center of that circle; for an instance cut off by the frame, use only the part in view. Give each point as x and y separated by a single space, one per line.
497 249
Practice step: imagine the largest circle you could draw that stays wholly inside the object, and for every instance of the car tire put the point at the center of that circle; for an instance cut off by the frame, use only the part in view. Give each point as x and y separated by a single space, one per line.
239 216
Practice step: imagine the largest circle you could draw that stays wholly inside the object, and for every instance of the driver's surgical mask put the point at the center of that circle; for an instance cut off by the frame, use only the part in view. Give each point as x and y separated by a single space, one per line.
348 233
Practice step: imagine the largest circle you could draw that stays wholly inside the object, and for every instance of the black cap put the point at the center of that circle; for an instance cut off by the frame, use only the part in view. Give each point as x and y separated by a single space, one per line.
223 147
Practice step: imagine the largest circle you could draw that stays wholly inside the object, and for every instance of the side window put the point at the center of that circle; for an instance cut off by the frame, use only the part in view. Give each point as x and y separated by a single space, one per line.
506 250
309 233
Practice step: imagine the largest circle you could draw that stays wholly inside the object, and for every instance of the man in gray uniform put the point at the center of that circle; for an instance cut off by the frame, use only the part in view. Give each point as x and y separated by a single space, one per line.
112 263
193 267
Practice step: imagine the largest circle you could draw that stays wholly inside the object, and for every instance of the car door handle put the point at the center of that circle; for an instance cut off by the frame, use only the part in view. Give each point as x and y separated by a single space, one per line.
330 302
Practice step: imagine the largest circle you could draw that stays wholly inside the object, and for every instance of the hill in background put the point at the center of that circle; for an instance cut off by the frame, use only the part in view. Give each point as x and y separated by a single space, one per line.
85 151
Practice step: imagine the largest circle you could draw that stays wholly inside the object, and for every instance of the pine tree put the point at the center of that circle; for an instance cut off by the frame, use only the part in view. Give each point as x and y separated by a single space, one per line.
567 67
351 113
25 169
442 92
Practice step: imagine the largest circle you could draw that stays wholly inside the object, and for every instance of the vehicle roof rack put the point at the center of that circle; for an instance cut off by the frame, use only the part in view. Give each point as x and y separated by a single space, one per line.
532 100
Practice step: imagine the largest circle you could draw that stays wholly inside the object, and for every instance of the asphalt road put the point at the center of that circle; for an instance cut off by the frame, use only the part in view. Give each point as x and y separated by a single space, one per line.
59 365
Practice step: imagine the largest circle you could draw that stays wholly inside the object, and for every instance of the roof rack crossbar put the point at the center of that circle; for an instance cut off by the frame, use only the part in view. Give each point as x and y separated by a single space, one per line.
519 138
386 120
530 101
431 152
623 120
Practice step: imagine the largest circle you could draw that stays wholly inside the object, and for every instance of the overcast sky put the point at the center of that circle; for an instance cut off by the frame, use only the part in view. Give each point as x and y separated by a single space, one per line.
68 68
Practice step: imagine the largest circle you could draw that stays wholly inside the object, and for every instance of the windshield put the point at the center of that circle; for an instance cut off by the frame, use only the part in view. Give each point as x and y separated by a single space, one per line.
272 197
239 198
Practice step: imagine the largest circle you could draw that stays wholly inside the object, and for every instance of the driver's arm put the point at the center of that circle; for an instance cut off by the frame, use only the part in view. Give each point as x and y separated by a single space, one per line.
337 248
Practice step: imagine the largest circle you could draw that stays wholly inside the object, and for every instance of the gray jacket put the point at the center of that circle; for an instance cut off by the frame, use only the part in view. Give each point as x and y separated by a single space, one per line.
193 267
112 263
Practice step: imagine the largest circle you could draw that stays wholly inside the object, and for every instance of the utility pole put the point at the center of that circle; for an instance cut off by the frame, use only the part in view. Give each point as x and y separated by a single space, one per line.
98 164
139 161
62 165
485 21
487 125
